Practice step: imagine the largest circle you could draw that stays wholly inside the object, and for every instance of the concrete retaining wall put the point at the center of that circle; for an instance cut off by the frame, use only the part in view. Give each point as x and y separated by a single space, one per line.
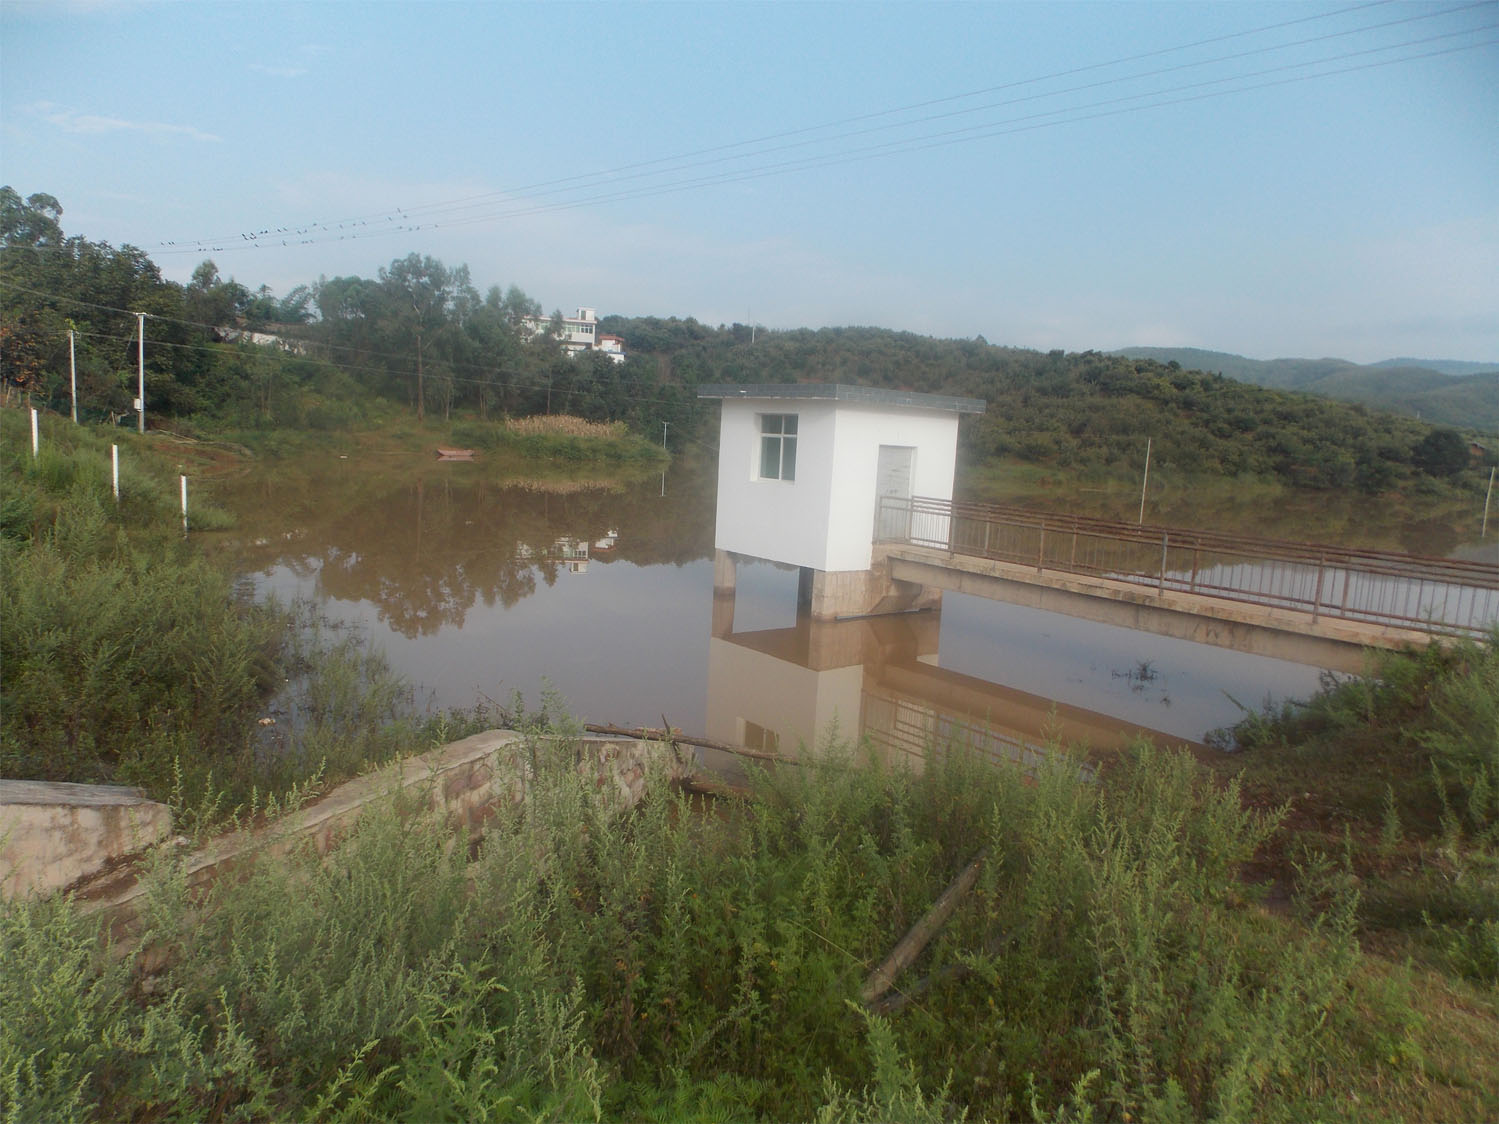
466 780
53 834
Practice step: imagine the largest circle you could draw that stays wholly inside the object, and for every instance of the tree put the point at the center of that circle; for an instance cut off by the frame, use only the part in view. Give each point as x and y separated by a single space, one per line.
427 296
35 222
1442 452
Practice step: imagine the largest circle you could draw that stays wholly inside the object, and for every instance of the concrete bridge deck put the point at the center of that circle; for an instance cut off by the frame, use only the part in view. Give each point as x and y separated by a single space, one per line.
1267 630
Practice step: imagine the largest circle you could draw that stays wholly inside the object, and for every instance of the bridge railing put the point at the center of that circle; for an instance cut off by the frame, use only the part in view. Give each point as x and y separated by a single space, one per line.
1439 595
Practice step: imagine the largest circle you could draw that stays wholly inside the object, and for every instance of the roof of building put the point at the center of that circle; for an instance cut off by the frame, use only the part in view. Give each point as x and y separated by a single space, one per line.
843 392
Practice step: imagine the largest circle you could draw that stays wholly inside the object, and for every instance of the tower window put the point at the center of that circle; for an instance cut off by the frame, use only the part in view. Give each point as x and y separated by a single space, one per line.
778 446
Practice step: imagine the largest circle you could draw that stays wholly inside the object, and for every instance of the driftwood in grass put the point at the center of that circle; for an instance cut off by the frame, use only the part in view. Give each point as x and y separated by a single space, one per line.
921 933
647 733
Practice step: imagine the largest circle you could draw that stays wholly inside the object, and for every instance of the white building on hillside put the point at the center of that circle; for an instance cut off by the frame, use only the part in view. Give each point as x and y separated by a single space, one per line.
579 333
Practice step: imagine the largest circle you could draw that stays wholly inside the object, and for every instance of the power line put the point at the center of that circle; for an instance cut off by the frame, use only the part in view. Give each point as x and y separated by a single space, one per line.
514 383
358 227
1024 123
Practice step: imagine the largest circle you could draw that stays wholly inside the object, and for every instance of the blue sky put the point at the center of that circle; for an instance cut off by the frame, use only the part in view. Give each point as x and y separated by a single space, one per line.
1181 174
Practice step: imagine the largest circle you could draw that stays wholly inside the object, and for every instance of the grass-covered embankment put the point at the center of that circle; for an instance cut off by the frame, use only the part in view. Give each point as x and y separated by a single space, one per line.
671 965
551 442
1394 779
128 659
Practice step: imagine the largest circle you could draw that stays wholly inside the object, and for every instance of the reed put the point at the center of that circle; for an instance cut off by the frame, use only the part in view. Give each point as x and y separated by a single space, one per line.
564 425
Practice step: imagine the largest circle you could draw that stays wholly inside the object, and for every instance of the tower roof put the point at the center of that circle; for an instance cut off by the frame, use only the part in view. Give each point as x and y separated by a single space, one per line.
843 392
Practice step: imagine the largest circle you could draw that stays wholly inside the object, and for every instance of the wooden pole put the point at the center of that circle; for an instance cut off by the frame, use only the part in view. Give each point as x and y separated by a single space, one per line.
921 933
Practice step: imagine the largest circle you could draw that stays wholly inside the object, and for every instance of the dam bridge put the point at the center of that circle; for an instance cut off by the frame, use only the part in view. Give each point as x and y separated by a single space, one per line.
853 486
1307 602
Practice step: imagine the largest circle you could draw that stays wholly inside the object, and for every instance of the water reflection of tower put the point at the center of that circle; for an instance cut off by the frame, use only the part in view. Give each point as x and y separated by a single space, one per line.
802 472
879 679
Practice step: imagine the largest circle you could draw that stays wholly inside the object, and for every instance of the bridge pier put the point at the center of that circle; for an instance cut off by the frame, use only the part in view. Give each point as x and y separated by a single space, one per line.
826 595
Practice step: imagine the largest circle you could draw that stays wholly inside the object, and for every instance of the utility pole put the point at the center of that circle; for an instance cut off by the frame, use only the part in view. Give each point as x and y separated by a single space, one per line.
1144 482
73 375
141 352
1483 534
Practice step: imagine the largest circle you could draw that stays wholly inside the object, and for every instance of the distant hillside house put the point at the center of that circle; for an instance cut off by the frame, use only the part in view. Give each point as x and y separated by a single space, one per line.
613 347
580 333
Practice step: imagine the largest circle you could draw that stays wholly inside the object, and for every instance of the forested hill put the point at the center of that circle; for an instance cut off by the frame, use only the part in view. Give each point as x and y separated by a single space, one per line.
341 352
1084 409
1447 392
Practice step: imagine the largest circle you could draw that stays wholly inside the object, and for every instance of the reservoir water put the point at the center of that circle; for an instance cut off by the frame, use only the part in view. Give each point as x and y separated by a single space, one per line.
477 587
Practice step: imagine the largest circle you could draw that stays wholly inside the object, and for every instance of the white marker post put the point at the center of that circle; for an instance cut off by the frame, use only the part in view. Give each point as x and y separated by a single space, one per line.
36 444
184 505
114 460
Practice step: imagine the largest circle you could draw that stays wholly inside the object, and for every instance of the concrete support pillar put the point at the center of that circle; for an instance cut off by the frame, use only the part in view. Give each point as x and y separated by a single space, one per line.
725 580
725 573
859 593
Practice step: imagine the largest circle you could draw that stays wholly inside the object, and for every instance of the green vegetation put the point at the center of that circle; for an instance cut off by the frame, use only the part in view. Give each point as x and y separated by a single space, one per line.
340 354
129 660
1312 935
688 963
1446 392
1400 776
353 353
1083 414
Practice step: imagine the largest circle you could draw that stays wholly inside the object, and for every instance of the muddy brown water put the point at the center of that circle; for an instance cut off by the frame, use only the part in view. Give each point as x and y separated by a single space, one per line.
477 586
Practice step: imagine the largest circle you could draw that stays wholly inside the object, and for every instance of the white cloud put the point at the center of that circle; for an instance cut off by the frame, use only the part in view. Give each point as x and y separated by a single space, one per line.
71 121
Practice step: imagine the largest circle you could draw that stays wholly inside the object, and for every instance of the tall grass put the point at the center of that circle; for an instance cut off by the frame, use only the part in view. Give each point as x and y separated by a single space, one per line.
1400 768
561 439
127 658
672 964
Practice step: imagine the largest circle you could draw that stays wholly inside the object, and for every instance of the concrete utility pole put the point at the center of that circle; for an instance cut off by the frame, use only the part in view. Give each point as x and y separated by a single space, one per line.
1145 481
73 375
1483 534
141 401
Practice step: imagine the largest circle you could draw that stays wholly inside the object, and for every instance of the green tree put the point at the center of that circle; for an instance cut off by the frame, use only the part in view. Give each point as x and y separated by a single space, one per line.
1442 452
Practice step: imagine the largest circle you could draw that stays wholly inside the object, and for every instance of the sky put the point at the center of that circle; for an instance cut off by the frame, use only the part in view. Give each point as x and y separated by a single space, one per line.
1270 179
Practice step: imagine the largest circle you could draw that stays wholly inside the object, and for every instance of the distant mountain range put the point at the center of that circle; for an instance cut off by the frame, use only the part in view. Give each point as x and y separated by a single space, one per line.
1446 391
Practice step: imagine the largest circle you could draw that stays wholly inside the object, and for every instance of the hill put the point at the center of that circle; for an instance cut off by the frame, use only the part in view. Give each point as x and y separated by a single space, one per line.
1443 391
1087 410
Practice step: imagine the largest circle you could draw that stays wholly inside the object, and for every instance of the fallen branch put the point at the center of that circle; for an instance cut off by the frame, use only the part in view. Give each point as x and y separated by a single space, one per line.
921 933
647 733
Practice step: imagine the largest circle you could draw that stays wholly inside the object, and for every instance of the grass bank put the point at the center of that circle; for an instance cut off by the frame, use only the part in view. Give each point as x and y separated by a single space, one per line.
672 965
1428 517
557 442
129 659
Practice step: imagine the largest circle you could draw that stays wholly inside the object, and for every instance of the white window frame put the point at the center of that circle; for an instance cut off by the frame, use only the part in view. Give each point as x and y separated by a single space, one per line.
780 439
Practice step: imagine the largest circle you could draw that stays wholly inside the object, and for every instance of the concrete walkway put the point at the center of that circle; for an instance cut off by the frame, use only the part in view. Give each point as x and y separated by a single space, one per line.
1265 630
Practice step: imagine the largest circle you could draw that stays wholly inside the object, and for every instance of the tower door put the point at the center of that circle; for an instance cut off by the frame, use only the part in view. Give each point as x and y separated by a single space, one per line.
893 475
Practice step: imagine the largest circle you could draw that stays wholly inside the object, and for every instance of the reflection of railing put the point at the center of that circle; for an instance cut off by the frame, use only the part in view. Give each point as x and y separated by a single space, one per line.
1437 595
919 730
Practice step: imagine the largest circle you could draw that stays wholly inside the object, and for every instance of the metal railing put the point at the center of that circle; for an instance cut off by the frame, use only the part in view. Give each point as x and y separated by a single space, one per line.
1438 595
